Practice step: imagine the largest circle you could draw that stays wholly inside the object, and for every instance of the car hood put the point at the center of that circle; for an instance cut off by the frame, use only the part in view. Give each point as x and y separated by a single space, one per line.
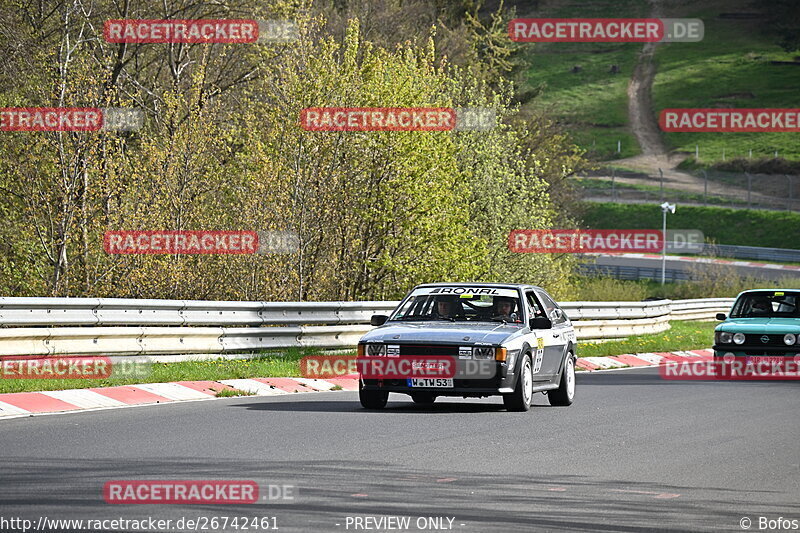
443 332
760 325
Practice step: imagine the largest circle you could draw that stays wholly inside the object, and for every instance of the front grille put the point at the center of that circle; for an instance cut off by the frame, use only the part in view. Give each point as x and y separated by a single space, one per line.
420 349
754 339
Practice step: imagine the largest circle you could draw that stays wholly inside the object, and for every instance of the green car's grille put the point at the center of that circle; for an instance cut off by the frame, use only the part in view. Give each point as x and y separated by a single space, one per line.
754 339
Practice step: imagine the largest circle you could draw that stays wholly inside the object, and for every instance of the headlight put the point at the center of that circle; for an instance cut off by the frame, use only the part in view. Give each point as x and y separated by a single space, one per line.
376 350
725 337
483 352
789 339
738 338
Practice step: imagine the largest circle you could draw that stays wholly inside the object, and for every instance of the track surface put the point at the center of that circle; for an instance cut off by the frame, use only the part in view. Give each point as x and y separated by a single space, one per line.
633 453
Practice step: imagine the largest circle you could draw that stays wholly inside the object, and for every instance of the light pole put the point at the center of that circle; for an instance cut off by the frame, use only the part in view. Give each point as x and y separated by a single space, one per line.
666 206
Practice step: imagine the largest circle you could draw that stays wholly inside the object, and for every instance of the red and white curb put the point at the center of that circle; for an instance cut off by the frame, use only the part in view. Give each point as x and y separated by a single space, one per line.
20 404
637 360
694 259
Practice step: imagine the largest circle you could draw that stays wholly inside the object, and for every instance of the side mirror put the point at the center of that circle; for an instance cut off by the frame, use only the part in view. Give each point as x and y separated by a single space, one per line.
721 316
541 322
378 320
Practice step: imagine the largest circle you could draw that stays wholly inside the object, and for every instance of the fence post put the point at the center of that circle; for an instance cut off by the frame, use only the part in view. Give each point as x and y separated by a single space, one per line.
661 172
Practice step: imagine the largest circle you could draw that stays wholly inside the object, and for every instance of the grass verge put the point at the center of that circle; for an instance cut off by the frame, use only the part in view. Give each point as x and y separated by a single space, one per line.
743 227
267 365
688 335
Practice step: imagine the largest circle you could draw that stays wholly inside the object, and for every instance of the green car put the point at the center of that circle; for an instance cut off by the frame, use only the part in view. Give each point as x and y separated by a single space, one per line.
762 322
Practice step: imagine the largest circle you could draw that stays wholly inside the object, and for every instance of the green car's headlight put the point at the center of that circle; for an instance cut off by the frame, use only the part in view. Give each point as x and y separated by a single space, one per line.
789 339
725 337
738 338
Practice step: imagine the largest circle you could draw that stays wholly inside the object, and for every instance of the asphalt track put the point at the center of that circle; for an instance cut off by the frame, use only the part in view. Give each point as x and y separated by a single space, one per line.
633 453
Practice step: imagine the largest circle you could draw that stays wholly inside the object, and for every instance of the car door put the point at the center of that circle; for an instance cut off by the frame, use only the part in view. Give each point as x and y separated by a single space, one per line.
540 341
556 341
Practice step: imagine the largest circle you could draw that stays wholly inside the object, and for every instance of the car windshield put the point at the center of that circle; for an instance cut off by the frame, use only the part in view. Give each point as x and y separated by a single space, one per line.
475 305
767 304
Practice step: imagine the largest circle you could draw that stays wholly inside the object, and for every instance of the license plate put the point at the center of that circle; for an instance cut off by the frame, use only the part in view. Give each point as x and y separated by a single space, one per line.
431 383
765 359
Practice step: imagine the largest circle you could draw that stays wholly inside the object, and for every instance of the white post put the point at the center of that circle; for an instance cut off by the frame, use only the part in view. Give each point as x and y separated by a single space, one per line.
696 152
664 249
619 146
666 206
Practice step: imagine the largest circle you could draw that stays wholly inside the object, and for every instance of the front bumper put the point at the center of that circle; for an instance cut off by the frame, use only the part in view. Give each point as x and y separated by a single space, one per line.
742 350
500 380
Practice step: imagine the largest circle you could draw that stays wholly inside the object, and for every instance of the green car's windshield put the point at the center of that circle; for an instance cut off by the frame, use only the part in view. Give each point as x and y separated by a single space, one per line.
765 304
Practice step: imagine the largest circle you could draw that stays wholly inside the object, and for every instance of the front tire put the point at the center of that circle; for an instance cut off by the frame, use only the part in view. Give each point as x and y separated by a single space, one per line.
372 399
522 397
565 393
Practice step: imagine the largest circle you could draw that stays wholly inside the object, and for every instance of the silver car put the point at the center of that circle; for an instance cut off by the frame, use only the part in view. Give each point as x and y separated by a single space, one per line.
470 340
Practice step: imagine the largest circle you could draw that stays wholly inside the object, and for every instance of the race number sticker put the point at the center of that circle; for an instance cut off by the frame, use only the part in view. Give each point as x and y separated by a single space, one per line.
537 363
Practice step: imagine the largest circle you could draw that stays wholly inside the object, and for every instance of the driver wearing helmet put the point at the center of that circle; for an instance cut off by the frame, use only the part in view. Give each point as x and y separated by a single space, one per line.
761 306
504 309
447 307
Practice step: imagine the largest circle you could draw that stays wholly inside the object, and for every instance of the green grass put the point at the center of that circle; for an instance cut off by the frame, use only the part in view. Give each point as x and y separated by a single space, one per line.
743 227
592 103
729 65
689 335
232 393
267 365
730 68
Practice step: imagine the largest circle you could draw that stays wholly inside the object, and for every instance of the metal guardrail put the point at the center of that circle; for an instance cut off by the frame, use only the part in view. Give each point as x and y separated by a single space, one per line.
126 312
632 272
752 252
151 327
